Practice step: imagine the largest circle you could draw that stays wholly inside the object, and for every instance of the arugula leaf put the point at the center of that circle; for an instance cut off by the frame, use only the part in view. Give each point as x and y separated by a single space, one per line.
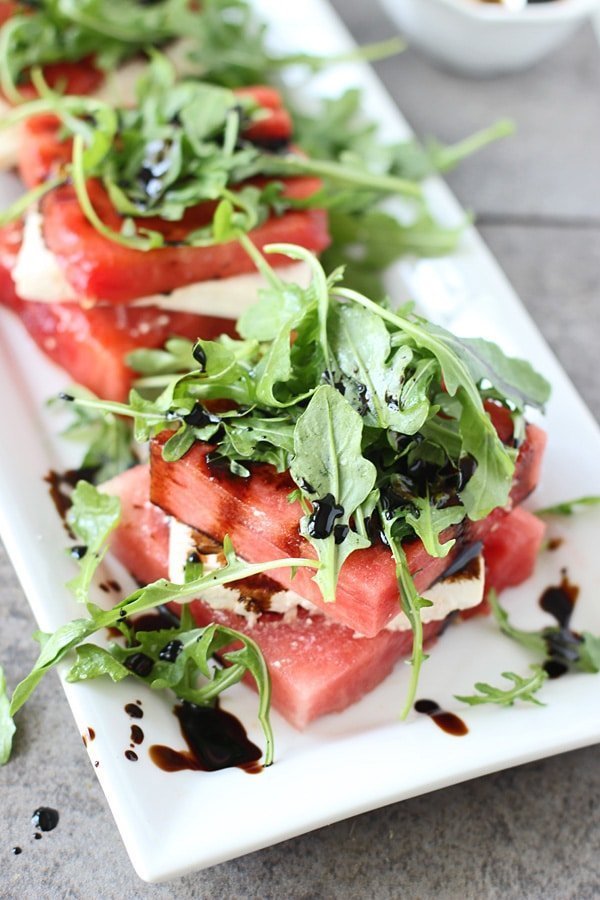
93 661
109 439
568 648
367 241
429 522
91 518
490 484
569 507
524 689
174 658
54 647
7 726
328 457
516 379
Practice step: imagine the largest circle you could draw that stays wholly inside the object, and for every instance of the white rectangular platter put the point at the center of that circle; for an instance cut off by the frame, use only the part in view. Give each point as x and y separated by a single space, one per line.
364 758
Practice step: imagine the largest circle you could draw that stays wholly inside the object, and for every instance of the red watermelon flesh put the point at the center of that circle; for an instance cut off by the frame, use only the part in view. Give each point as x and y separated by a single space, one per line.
317 666
511 551
263 525
91 344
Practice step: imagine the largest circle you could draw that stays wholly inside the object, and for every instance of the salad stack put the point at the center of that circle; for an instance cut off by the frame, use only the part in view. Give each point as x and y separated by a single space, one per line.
331 480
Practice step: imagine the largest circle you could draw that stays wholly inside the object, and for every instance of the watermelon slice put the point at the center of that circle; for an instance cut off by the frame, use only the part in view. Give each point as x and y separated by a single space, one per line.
263 525
316 666
91 344
99 269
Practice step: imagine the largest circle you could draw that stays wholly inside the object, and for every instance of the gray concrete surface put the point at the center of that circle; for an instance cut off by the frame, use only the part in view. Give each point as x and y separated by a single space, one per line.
530 832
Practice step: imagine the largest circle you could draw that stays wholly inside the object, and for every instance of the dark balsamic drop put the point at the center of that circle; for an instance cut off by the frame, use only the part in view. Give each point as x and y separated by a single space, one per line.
60 488
134 711
16 850
447 721
559 600
37 836
199 417
200 356
137 735
45 818
555 542
171 651
160 620
322 519
131 755
139 664
554 669
562 643
215 738
92 734
79 551
340 533
467 555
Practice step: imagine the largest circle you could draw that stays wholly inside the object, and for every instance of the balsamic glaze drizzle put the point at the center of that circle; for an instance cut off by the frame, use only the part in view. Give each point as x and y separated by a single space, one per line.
215 739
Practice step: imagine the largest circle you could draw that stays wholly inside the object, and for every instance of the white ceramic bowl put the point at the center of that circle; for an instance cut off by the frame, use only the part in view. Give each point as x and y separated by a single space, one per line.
478 38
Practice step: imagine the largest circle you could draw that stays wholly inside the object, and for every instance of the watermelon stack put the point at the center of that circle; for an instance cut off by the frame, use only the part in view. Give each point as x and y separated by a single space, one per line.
91 335
322 661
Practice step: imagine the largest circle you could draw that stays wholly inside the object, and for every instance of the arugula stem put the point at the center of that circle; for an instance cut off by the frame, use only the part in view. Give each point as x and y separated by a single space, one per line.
111 406
411 607
445 158
22 203
366 53
345 174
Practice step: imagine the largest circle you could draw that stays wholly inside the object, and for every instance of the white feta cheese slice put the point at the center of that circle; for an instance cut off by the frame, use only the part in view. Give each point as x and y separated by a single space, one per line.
464 590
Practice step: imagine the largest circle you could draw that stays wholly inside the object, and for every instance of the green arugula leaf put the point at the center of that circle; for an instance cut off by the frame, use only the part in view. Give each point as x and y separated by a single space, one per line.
569 507
176 657
429 522
515 378
109 439
93 661
589 653
524 689
91 518
54 648
66 638
532 640
580 652
328 457
490 484
7 726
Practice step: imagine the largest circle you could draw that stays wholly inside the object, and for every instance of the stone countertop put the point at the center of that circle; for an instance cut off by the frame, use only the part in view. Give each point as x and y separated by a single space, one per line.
532 831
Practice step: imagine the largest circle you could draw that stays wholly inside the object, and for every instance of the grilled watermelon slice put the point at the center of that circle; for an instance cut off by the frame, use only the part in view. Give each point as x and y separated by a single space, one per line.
263 525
